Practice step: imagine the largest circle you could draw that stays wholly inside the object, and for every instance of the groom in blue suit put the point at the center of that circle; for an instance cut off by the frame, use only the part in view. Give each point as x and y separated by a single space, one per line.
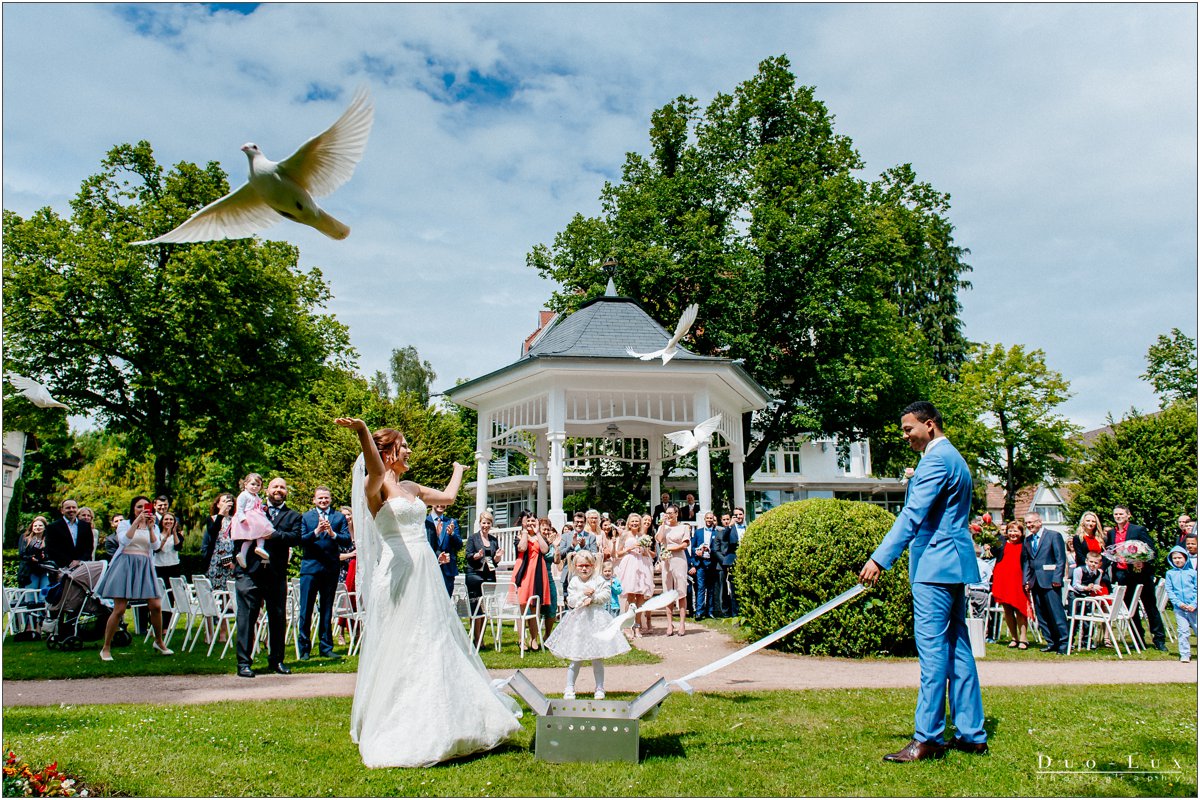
941 561
322 531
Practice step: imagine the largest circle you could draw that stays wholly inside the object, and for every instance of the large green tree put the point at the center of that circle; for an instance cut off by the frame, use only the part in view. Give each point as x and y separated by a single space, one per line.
1006 401
316 452
1148 463
410 374
181 347
840 295
1171 367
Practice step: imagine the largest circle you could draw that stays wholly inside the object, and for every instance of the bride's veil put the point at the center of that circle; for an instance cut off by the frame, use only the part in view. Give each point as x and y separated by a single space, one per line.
366 535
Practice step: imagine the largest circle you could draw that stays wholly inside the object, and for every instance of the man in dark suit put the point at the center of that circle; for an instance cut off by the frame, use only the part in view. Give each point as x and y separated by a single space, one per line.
444 538
1045 572
323 531
704 566
932 526
69 540
265 584
690 510
1133 575
725 552
661 508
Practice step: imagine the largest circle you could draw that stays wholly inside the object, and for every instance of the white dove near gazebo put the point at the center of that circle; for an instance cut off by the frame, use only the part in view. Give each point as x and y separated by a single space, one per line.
35 392
285 189
672 347
687 441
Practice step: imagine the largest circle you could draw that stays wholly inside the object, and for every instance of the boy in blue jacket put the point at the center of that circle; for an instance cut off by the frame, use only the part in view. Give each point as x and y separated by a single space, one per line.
1181 591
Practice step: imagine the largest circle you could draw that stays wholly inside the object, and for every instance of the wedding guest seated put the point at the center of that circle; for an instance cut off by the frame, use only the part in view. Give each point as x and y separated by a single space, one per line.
978 594
1090 580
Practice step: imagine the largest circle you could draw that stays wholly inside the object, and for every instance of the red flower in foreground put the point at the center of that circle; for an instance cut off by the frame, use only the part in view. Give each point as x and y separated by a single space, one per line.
987 518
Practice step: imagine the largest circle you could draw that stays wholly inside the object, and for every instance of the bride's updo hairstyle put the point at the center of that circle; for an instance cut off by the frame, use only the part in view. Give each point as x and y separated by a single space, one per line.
387 442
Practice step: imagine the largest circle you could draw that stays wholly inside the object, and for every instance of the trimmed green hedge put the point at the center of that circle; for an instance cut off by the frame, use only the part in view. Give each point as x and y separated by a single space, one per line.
799 555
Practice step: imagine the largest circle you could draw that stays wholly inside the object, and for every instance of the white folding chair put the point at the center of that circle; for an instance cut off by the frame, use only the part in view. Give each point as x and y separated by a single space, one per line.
1160 600
504 610
168 611
345 607
480 614
184 602
1088 612
24 608
1124 618
218 611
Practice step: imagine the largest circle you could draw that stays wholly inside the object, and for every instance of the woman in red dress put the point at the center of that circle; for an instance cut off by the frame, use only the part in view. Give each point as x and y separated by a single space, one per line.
1089 537
530 576
1008 584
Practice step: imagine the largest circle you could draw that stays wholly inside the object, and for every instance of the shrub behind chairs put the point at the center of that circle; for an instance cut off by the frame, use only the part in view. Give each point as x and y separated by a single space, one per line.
797 556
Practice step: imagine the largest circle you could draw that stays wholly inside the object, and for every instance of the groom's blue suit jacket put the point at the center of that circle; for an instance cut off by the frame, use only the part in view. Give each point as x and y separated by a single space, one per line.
933 523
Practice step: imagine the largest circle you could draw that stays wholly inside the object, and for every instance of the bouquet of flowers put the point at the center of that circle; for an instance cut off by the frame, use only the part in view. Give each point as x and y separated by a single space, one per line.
1132 551
984 531
645 542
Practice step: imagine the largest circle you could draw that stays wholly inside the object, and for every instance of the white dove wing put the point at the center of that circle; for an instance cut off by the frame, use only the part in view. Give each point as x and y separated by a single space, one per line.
705 429
684 440
327 160
237 215
644 356
36 393
685 323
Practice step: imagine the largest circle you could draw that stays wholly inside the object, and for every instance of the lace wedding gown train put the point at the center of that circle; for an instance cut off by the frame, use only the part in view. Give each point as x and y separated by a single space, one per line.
422 695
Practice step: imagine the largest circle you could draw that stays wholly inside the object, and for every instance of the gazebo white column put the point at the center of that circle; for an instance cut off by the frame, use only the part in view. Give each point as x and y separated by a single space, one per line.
556 435
737 460
656 469
703 465
483 457
539 474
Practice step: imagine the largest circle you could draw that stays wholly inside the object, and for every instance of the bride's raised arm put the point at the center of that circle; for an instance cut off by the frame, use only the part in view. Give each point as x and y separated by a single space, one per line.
371 459
446 497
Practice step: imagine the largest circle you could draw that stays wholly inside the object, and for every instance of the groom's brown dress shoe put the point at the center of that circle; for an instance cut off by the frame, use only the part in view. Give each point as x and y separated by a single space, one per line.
916 751
979 748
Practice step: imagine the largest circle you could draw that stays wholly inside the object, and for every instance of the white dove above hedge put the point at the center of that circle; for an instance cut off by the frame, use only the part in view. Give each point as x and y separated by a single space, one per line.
285 189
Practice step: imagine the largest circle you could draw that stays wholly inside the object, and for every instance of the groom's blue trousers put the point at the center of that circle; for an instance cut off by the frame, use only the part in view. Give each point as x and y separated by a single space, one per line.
944 652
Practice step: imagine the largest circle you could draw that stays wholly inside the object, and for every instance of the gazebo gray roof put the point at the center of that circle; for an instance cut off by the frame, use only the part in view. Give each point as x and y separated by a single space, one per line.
604 328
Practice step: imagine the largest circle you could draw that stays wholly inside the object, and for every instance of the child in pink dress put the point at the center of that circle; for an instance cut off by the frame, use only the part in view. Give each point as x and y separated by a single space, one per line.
250 521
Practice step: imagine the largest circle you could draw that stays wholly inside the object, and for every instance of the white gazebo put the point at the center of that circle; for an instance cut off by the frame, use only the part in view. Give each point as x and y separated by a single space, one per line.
577 381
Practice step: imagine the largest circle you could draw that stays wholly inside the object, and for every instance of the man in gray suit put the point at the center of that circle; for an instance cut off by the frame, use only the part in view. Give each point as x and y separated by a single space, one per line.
1045 571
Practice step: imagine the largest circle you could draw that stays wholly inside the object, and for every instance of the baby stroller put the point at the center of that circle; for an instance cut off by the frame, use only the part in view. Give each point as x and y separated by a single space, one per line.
75 613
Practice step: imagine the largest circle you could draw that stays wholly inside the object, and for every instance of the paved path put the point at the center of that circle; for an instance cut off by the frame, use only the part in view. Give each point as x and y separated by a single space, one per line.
765 670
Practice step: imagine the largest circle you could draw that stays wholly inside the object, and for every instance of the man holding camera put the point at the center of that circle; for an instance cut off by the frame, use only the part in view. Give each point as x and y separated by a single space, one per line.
323 531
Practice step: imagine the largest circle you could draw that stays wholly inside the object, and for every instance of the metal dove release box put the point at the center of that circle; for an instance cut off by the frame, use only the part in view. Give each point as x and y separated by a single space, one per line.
588 730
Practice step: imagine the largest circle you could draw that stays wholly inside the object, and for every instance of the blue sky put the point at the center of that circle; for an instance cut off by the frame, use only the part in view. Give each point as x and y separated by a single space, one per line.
1065 135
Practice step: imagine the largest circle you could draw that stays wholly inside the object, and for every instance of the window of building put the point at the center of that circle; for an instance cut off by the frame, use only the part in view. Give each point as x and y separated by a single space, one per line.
1050 514
791 459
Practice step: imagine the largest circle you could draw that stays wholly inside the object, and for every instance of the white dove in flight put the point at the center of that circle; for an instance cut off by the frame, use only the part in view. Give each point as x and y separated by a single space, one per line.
35 392
286 188
668 352
687 441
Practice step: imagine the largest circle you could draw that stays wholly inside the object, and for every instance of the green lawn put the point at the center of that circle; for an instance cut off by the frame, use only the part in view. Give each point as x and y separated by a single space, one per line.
767 744
32 660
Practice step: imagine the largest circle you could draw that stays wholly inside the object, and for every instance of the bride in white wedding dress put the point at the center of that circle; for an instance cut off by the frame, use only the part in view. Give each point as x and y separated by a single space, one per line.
422 694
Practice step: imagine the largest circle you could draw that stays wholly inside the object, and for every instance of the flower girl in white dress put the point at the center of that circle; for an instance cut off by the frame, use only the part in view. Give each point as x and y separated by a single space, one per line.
422 695
584 632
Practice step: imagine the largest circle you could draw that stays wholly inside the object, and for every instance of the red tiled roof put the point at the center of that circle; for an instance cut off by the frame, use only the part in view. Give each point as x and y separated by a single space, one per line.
995 499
